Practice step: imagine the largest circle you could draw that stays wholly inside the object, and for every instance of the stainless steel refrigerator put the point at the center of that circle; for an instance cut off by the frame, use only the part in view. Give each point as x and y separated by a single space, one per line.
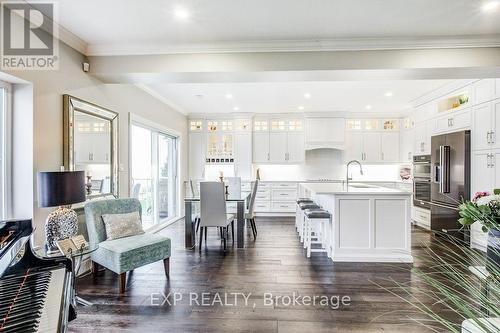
450 180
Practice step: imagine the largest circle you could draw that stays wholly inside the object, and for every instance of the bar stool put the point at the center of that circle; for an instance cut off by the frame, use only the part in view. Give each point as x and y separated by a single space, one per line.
298 211
302 207
316 221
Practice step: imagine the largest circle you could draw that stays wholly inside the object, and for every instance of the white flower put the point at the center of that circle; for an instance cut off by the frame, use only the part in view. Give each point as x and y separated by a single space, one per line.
487 199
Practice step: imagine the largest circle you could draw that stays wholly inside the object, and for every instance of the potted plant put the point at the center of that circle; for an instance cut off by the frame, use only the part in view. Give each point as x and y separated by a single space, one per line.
485 209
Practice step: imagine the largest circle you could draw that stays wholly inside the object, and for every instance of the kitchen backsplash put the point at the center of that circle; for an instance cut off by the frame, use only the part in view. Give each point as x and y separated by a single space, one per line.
327 164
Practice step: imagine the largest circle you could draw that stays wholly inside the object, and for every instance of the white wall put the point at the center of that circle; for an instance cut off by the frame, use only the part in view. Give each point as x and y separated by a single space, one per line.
48 88
327 164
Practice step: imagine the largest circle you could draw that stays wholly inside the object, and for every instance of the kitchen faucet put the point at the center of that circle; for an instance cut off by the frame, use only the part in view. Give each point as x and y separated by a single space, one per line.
347 176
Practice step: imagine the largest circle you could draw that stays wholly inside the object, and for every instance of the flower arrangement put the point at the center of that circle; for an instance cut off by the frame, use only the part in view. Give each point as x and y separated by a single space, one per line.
484 208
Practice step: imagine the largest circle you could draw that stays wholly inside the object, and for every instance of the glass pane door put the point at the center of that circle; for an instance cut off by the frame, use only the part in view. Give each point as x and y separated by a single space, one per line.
154 174
166 179
142 172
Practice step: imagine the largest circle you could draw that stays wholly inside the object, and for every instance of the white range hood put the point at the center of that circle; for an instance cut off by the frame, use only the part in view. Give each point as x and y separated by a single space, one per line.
325 133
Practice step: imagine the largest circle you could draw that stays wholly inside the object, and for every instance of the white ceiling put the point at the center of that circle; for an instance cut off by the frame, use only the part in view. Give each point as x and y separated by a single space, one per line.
277 97
133 26
143 27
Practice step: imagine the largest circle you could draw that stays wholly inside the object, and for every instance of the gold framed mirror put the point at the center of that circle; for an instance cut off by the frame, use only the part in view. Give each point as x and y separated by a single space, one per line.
91 145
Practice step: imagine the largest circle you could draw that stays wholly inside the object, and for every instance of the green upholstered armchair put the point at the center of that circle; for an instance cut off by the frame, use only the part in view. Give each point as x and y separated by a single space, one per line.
123 254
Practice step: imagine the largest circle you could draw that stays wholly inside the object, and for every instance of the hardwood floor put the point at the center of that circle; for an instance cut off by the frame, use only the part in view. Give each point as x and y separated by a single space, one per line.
275 263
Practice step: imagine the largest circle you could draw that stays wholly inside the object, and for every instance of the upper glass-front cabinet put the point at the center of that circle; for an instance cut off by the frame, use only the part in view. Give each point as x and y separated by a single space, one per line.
391 125
196 125
295 125
243 124
371 124
261 125
353 124
278 125
408 123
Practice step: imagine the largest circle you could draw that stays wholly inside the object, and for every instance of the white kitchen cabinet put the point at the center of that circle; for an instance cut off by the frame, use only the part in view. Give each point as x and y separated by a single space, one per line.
196 155
407 139
478 238
278 147
422 217
485 90
423 134
486 123
390 147
354 146
372 147
92 148
243 155
483 174
296 149
452 122
260 147
281 142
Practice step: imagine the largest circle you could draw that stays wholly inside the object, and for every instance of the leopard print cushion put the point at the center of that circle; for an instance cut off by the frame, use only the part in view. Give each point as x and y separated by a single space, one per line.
122 225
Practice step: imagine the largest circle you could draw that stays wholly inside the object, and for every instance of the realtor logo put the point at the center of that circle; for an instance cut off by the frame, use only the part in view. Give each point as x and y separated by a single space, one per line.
29 36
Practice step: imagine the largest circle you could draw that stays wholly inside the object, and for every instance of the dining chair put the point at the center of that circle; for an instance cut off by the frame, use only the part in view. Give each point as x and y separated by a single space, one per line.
233 186
196 214
249 215
214 211
233 189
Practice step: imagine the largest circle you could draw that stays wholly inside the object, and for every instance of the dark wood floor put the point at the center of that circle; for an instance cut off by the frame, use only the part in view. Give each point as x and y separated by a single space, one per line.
275 264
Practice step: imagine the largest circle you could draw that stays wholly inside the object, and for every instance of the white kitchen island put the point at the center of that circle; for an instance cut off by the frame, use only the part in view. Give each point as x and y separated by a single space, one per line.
369 223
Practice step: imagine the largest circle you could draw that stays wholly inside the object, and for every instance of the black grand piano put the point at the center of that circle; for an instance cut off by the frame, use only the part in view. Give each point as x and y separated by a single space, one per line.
36 294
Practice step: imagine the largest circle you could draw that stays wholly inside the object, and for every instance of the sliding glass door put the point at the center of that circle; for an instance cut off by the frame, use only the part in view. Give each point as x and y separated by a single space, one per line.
154 174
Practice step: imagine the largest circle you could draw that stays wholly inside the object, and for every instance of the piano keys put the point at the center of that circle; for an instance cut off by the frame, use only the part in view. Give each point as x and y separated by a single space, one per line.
36 294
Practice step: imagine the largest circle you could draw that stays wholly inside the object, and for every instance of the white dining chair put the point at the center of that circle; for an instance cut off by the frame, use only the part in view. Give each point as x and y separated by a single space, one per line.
249 215
195 216
234 190
213 211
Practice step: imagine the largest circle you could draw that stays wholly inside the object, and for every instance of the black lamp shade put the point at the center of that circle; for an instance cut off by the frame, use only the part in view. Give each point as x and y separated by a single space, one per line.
61 188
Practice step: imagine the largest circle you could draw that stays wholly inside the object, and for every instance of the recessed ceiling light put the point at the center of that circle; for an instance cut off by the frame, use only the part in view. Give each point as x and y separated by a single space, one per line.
368 107
301 107
181 13
490 5
229 96
389 94
236 108
307 95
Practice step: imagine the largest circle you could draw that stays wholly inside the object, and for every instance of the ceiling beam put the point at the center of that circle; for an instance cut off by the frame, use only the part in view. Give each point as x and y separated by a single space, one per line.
299 66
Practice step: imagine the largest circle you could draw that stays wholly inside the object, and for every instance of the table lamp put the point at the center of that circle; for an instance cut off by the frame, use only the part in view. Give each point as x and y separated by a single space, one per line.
60 189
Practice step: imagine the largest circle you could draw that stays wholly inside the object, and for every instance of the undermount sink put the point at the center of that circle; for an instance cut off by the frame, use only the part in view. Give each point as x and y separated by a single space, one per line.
360 186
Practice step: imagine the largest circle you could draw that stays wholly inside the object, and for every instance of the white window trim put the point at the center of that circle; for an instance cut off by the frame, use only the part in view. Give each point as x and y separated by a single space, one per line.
6 188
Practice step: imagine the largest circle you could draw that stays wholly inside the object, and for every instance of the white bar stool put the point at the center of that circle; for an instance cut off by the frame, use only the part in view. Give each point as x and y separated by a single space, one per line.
316 226
303 206
298 212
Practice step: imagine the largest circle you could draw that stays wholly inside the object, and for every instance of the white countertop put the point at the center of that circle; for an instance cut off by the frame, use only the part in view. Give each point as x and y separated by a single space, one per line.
335 188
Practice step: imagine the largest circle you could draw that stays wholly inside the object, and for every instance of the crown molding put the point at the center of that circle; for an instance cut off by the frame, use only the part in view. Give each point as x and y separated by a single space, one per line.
161 98
339 44
62 34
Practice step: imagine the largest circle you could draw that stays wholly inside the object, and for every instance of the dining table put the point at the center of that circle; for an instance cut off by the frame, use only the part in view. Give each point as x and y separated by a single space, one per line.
190 228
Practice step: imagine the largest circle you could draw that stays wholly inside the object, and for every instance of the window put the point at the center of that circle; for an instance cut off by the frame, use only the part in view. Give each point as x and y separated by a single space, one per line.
5 157
154 167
